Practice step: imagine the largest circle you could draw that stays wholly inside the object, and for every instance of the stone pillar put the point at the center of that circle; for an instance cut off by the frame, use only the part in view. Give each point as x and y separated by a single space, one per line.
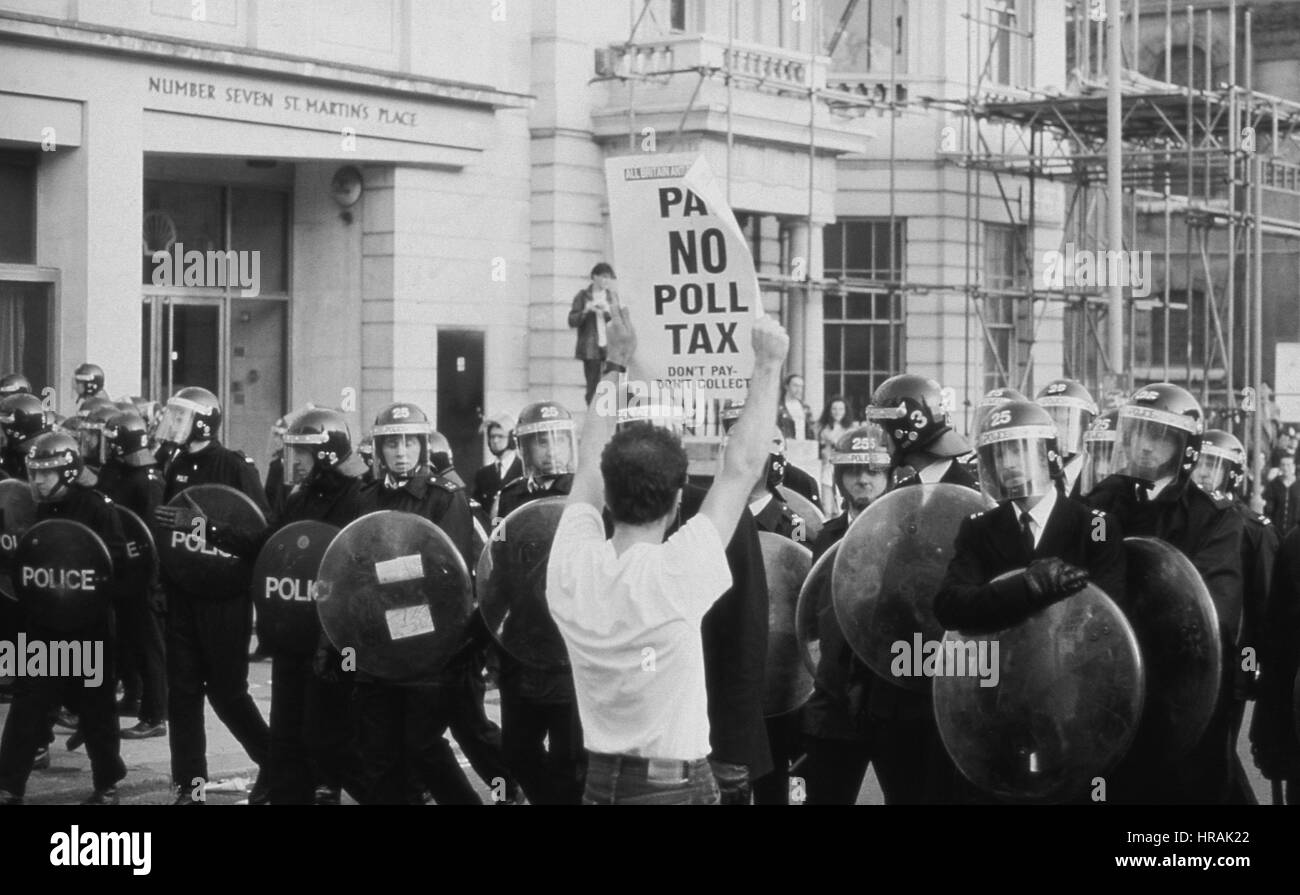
806 266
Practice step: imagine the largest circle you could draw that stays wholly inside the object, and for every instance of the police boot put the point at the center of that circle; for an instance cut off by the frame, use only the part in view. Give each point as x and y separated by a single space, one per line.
41 761
327 795
185 796
106 796
8 798
260 794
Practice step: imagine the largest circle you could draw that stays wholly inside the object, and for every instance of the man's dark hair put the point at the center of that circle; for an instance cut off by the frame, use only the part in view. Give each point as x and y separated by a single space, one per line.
643 466
602 268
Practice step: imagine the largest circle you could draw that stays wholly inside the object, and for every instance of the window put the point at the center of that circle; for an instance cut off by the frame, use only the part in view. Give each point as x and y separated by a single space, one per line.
863 327
214 218
677 15
1005 310
860 249
18 207
1006 47
26 341
874 30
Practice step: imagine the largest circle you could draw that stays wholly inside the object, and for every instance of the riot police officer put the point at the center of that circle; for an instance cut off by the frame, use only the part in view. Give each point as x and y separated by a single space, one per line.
54 464
837 730
207 639
784 732
1034 526
924 450
131 478
401 724
1072 409
312 745
1151 493
1221 472
541 734
925 447
88 382
14 384
22 419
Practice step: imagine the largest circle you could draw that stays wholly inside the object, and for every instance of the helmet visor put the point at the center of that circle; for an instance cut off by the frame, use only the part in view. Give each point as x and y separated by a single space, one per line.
1071 422
1211 473
298 461
177 421
1013 465
1098 462
548 453
90 438
1149 449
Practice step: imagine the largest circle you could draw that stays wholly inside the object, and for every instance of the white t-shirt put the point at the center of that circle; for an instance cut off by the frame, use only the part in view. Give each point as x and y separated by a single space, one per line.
632 627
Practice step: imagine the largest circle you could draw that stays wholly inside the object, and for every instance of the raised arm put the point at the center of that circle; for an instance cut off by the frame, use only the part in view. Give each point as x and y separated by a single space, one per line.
588 484
746 453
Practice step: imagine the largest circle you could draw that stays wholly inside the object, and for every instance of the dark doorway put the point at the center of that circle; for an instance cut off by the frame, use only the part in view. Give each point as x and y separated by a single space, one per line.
460 396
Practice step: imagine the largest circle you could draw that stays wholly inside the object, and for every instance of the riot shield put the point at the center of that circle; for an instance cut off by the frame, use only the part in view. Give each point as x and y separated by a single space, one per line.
284 587
193 565
813 519
1063 708
512 584
17 514
788 682
394 590
138 569
1178 630
814 600
888 571
480 538
64 575
1295 705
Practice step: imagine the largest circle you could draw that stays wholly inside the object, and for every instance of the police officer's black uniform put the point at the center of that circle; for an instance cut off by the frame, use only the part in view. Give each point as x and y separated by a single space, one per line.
784 732
541 733
27 726
207 639
401 725
135 483
1210 535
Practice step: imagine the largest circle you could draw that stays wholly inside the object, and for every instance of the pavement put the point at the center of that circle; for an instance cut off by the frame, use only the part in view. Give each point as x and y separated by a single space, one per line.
148 762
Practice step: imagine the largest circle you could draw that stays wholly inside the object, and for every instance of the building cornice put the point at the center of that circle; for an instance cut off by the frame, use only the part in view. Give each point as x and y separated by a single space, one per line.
35 29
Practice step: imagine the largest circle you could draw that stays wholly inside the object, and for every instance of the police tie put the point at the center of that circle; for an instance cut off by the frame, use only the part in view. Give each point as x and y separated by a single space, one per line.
1027 533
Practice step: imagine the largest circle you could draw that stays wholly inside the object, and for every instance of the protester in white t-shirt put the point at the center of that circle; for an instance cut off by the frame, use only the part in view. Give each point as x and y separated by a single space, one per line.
629 608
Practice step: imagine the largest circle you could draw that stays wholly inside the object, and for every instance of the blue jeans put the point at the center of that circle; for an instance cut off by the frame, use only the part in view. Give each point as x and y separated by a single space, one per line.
628 780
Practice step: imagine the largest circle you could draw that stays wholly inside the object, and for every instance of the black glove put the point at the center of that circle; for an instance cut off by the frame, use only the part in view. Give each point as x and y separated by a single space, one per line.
733 782
178 518
1054 579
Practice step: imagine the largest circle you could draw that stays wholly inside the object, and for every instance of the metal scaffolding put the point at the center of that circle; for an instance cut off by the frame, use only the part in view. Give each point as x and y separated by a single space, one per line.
1196 157
1200 149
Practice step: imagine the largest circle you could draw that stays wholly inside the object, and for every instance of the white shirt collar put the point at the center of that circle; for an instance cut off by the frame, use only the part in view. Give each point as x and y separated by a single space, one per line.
506 459
757 506
1158 488
1041 513
934 472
